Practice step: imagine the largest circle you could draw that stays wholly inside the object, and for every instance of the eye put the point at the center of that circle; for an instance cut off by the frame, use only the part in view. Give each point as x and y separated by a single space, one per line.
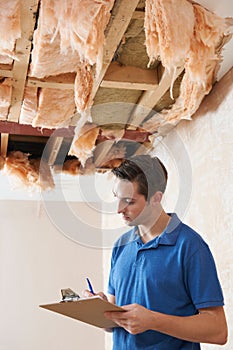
129 201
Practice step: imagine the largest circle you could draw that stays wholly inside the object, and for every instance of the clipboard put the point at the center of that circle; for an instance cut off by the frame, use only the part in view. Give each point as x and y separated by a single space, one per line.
90 310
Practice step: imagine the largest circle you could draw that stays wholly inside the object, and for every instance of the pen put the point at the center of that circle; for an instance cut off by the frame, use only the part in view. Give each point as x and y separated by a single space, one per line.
90 286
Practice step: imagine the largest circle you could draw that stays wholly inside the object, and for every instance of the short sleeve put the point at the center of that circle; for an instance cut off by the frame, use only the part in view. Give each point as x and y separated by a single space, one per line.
202 279
111 285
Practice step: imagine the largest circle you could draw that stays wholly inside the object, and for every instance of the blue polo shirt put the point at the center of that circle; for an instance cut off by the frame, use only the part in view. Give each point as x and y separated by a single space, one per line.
174 274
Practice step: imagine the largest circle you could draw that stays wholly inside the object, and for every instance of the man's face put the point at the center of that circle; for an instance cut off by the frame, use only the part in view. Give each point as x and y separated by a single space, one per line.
133 206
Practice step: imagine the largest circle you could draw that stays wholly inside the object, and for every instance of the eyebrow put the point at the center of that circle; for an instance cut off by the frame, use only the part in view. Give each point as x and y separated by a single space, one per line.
130 198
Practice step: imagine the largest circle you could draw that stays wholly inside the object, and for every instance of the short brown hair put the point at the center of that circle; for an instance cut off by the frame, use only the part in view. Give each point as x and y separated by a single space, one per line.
149 173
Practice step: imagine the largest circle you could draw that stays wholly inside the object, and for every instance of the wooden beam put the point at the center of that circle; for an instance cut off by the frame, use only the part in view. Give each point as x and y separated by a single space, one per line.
4 144
22 51
143 149
7 127
149 98
52 149
6 73
122 13
117 76
6 70
22 129
129 77
131 135
62 81
4 66
101 151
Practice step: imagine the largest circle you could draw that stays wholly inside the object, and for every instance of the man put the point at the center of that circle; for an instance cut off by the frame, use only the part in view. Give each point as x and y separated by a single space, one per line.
162 271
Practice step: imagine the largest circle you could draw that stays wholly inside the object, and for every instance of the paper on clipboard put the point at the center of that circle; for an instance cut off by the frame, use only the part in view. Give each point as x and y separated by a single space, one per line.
90 310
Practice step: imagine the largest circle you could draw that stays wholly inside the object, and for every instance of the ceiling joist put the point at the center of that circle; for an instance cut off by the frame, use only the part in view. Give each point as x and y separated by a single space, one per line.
149 98
22 51
6 72
52 149
4 144
28 130
101 152
129 77
62 81
117 76
121 16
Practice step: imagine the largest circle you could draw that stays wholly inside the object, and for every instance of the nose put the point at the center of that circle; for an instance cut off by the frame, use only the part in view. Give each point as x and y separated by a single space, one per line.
121 208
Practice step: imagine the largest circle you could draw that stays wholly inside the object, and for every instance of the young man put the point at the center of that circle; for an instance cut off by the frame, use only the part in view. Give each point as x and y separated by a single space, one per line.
162 271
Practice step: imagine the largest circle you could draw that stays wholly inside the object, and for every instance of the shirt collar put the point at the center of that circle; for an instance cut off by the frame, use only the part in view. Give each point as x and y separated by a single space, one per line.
167 237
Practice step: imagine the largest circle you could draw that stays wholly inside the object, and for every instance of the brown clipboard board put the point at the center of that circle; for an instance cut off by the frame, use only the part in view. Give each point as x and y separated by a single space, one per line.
90 310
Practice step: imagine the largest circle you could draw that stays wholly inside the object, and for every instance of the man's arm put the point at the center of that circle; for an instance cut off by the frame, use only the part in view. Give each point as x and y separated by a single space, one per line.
208 326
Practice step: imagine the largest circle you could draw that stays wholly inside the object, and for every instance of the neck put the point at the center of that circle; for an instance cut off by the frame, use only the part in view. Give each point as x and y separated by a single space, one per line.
148 232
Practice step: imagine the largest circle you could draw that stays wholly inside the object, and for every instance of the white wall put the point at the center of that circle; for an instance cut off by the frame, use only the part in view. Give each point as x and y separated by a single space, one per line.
36 261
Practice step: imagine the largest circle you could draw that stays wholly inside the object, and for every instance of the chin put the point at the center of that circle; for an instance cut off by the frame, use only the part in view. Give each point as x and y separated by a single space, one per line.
130 222
127 221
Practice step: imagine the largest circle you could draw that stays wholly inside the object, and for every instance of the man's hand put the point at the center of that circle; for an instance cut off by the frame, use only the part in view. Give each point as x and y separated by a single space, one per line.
135 320
87 294
208 326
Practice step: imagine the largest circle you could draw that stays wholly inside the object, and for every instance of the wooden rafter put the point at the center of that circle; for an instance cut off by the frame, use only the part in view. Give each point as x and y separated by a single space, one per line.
22 51
20 66
28 130
101 151
149 98
4 144
120 19
20 129
6 73
143 149
62 81
53 149
117 76
129 77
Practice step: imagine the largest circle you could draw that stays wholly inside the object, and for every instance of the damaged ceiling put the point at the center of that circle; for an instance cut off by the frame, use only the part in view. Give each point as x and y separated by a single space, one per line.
85 83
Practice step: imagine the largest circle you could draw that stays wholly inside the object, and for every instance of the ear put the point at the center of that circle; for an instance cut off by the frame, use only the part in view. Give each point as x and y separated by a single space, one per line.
156 198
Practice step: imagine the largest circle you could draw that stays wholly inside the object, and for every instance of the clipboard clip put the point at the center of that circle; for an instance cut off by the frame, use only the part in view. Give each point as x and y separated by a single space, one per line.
69 295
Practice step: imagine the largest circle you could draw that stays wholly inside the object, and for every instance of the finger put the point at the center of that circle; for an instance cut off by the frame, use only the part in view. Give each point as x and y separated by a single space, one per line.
129 307
115 315
87 294
108 314
102 295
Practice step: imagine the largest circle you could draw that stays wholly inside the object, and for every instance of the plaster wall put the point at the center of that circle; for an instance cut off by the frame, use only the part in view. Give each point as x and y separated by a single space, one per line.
37 259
